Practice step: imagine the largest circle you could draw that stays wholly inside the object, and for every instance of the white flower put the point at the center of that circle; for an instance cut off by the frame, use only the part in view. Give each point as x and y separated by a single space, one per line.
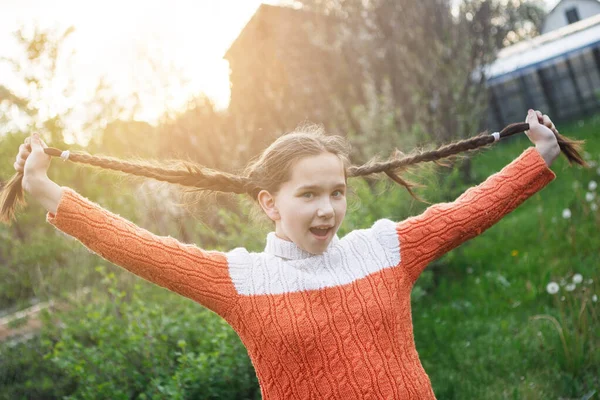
593 164
592 185
566 214
570 287
590 281
589 196
577 278
552 288
470 270
594 206
594 298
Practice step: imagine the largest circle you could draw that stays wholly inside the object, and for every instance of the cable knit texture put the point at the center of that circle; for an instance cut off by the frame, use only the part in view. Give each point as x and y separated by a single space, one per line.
331 326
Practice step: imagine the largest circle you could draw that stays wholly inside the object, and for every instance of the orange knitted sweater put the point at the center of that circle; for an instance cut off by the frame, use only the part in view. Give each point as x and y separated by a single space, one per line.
331 326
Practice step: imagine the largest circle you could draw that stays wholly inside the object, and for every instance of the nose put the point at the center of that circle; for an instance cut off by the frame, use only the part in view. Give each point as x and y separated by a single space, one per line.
325 209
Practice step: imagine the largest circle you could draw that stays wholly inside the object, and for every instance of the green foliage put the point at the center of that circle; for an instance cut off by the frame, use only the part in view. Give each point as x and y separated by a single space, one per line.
25 374
148 343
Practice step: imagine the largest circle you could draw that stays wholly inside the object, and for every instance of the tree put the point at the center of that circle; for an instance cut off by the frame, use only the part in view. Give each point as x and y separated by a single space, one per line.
414 65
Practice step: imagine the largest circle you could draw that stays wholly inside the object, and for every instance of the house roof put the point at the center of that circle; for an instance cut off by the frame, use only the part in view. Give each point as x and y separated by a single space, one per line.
528 54
266 11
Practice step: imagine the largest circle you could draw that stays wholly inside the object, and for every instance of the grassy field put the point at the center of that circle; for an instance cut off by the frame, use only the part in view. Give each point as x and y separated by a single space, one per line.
475 325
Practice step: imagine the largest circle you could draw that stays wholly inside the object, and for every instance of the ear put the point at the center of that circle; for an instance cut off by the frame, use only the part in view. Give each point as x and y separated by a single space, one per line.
267 203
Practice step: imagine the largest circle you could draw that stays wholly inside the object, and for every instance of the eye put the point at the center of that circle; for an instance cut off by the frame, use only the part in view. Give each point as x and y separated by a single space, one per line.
338 193
307 195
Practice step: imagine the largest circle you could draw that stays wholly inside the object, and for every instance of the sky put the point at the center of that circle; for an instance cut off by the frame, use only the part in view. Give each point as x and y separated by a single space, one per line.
112 37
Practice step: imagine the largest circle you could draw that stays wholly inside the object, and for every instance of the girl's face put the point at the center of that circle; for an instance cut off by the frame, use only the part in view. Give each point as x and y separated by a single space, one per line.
314 197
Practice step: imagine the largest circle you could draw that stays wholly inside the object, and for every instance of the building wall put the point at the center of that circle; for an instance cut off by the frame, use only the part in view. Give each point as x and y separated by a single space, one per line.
565 88
558 18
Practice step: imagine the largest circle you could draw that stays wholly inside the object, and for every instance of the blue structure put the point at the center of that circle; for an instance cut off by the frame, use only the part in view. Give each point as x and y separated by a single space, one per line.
558 73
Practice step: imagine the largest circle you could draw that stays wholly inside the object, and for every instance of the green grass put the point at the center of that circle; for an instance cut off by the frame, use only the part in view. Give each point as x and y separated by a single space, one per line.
473 329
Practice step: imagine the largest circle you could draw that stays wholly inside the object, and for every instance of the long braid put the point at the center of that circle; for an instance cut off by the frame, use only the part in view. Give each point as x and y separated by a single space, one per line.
194 175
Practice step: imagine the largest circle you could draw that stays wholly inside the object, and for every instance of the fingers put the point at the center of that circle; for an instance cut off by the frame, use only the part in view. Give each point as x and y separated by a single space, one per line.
24 152
544 119
532 118
541 116
547 122
36 142
19 164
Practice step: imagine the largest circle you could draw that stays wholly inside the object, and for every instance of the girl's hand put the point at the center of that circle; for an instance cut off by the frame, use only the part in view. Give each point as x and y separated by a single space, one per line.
541 129
32 161
542 133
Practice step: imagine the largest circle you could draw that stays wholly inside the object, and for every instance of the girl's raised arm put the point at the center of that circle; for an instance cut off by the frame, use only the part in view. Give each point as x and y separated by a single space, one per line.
200 275
444 226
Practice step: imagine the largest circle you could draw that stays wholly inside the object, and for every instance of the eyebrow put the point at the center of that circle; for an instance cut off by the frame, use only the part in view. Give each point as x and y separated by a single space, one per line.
313 187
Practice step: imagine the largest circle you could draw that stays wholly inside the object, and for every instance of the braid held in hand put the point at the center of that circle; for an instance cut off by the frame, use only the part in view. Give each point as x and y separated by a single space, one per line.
272 168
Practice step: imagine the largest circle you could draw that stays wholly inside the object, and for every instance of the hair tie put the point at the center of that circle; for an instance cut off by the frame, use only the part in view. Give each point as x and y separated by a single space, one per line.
65 155
496 136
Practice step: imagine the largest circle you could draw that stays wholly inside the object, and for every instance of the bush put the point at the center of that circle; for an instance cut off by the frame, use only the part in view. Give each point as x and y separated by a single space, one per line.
141 343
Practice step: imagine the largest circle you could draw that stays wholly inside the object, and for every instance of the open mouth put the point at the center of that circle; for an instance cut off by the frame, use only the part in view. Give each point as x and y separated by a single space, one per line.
321 233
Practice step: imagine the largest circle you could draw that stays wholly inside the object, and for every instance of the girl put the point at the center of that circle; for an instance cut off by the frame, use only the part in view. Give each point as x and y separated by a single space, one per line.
322 317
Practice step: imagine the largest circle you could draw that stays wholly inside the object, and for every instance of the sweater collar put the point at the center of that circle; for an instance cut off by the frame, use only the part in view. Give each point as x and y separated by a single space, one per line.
289 250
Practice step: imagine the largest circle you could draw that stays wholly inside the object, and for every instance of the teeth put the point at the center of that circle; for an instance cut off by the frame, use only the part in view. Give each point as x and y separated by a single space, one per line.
320 231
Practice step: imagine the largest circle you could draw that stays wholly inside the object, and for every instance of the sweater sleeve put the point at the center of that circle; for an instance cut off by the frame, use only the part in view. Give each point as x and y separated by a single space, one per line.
200 275
444 226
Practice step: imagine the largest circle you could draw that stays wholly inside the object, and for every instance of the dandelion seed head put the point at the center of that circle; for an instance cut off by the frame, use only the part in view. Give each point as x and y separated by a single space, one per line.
592 185
593 206
589 196
594 298
577 278
552 288
566 214
570 287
